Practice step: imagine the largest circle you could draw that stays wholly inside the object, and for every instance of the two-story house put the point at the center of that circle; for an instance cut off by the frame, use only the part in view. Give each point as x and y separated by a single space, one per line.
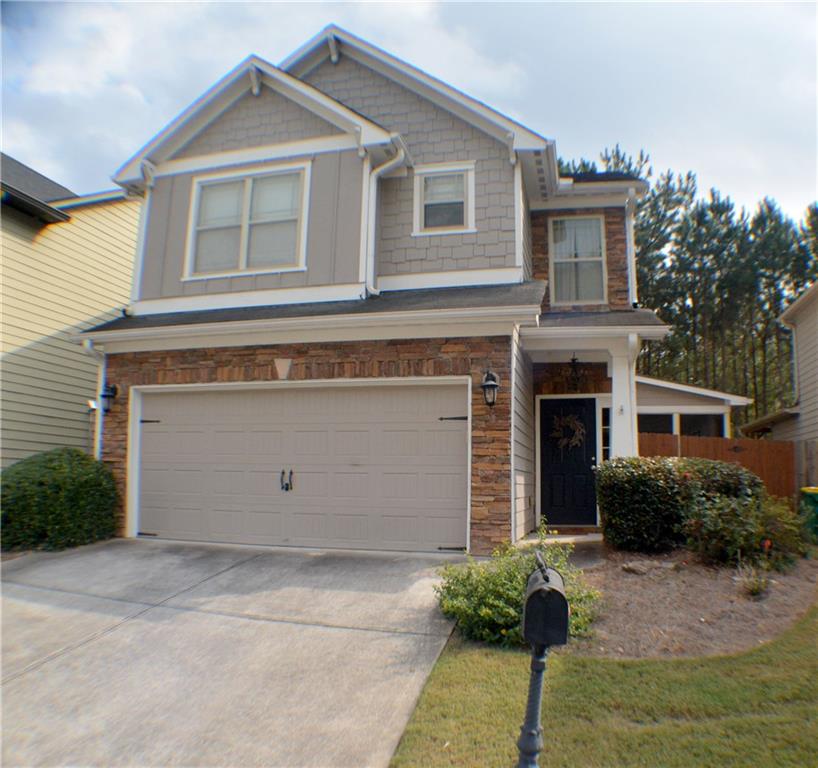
368 312
799 422
67 266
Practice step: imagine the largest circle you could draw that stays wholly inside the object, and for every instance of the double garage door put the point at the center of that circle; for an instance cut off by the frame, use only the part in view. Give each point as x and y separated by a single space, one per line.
372 467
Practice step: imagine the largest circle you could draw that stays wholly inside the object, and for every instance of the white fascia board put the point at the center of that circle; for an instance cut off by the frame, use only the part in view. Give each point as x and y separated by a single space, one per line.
263 153
108 196
471 110
451 279
595 332
233 85
561 202
382 325
242 299
714 393
788 315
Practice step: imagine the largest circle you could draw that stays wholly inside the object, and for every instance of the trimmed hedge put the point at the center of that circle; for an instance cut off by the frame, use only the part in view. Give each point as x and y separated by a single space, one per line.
719 510
720 477
642 503
58 499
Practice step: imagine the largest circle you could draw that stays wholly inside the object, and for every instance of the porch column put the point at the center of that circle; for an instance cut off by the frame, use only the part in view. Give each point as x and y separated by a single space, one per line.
624 435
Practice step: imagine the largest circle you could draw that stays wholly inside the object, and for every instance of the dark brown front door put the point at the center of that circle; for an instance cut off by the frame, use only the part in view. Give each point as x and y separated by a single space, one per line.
567 456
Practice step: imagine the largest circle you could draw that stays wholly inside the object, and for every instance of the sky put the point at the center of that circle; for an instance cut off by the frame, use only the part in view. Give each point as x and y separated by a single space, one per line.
727 90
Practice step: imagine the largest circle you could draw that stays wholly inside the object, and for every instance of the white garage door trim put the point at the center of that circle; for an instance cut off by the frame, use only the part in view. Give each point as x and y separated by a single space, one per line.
134 447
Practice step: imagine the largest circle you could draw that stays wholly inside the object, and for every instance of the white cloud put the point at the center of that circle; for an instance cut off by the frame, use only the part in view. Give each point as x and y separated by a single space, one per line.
728 91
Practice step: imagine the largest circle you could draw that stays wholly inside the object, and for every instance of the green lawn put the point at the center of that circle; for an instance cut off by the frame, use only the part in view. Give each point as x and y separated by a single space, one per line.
754 709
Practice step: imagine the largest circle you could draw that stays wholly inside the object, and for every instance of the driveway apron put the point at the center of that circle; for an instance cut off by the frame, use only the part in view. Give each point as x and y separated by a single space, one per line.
159 653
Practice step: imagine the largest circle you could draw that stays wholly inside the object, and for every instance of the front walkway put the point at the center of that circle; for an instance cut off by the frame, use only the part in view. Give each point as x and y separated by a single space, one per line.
158 653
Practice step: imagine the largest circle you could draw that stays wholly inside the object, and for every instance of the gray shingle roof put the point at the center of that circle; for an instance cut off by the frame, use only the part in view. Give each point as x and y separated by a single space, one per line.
27 180
528 294
600 319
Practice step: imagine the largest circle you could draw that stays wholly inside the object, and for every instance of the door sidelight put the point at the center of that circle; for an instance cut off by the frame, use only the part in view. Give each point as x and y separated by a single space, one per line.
286 482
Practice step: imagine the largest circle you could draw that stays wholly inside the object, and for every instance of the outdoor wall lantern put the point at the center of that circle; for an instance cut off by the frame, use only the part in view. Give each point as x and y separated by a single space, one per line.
109 392
490 385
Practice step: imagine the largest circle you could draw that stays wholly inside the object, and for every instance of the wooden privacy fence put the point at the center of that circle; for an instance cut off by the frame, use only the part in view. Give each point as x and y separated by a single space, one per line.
773 461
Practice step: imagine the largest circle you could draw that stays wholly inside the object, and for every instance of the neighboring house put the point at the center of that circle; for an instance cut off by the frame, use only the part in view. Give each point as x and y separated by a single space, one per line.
66 266
340 259
665 407
799 422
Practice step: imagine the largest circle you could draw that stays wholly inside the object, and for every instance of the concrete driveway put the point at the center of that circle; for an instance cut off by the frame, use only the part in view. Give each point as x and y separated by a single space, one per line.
156 653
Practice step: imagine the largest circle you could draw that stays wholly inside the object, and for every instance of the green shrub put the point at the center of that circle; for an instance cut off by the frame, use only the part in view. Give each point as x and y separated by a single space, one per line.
642 502
720 477
486 598
61 498
724 529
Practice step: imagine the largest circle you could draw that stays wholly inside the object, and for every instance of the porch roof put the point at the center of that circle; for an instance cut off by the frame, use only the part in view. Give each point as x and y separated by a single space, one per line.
612 318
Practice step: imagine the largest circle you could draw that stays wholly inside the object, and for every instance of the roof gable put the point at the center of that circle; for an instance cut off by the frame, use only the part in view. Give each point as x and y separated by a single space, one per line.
251 121
249 76
332 42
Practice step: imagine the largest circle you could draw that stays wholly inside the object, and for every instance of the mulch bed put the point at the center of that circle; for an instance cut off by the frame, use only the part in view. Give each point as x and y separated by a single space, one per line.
682 608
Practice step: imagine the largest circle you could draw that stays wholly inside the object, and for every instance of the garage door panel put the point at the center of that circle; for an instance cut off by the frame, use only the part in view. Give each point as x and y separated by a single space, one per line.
372 467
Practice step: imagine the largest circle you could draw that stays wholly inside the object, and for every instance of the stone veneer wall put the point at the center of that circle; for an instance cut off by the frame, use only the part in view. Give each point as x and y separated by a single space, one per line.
491 427
555 379
615 247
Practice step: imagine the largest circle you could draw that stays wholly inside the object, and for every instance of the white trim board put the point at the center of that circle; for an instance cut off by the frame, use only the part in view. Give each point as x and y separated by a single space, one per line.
135 406
238 299
291 150
451 279
714 393
419 82
226 91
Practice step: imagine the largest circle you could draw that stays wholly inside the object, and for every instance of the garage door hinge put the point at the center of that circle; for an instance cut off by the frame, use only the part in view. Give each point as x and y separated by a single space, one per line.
145 533
452 418
150 421
452 549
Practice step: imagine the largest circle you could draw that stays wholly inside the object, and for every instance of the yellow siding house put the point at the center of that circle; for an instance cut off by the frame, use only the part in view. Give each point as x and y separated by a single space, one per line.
67 263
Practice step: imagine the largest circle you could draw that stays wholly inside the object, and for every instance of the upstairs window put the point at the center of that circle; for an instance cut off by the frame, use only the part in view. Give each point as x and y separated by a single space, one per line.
444 199
248 225
577 248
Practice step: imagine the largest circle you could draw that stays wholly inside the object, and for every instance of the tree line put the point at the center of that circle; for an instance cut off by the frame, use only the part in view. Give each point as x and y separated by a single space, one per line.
720 277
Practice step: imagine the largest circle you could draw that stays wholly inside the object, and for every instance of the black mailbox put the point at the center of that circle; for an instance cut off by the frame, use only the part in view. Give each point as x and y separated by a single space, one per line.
545 613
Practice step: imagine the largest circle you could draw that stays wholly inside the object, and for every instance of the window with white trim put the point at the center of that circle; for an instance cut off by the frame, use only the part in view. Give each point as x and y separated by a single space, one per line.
577 251
249 224
444 199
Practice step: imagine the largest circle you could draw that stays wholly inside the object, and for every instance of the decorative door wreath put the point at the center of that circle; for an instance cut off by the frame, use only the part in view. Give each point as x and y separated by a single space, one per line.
568 431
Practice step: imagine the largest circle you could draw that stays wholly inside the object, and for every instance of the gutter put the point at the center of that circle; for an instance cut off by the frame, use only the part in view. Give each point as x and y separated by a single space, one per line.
32 206
374 175
517 313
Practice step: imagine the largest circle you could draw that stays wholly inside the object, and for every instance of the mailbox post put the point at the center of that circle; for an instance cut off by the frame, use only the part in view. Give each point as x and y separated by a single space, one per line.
545 623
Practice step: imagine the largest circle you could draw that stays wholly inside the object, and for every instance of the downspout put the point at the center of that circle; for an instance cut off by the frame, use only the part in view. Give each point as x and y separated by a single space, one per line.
88 347
374 175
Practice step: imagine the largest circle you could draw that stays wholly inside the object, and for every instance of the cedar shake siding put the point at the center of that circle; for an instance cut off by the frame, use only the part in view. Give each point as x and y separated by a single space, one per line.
491 427
253 121
432 135
615 253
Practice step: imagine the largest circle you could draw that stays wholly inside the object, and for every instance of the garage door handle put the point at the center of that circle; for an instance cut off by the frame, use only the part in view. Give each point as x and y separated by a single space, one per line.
286 485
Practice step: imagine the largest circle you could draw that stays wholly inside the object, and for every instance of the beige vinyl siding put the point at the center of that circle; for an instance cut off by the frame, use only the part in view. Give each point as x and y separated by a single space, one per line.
647 394
806 350
58 279
523 441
